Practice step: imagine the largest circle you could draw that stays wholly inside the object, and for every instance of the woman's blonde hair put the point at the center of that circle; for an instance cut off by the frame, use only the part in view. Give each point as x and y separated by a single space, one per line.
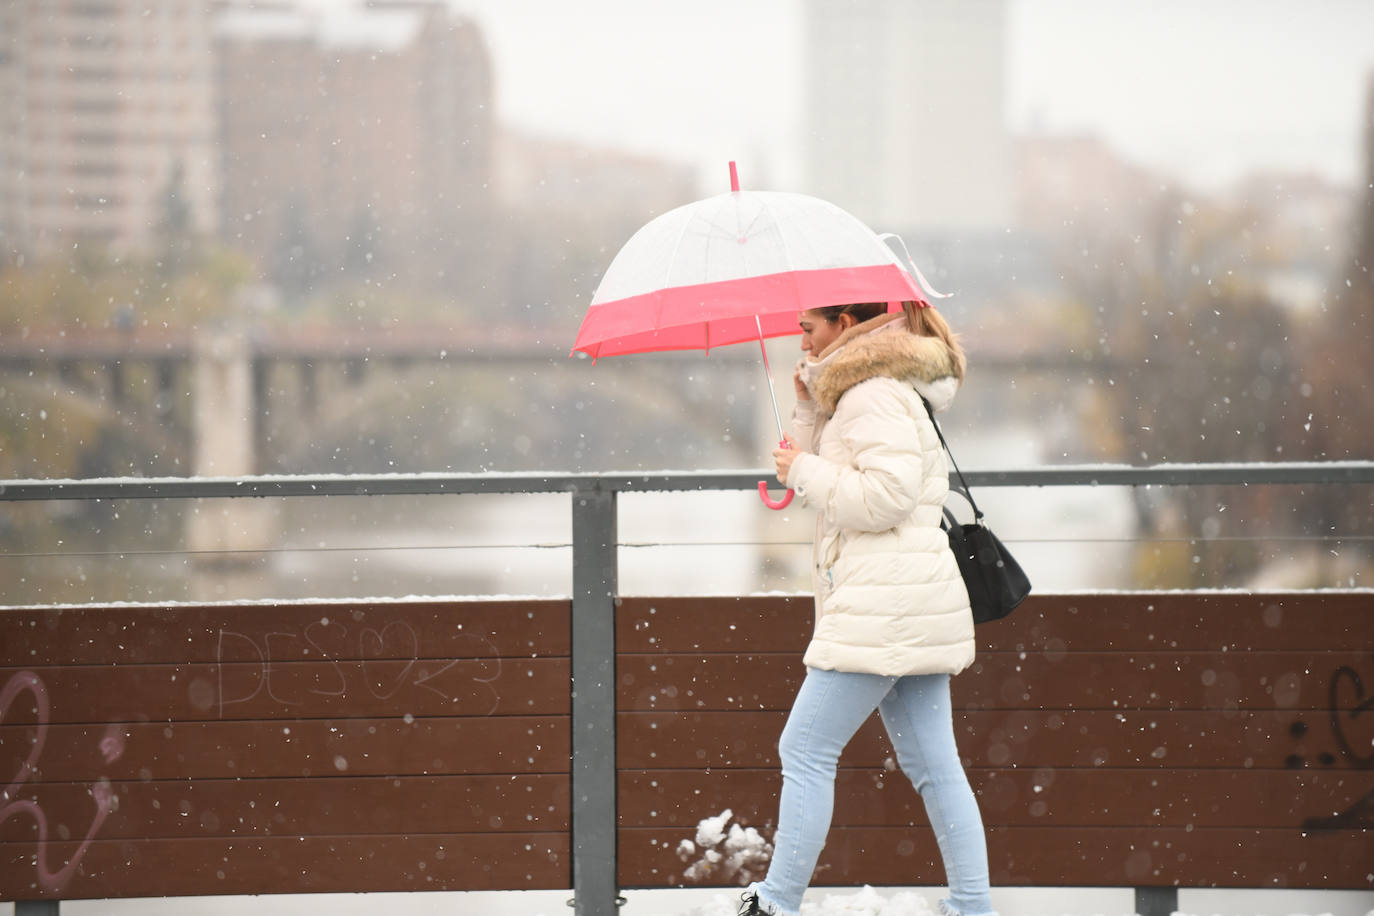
921 319
927 322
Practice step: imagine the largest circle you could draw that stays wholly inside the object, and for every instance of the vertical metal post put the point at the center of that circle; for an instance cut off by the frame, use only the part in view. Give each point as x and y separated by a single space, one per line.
1156 901
36 907
593 701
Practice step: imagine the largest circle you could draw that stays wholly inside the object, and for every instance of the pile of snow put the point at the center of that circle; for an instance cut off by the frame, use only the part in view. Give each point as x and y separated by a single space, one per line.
739 854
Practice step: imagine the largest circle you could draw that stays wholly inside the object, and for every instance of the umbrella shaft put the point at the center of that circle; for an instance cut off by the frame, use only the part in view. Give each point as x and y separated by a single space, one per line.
776 416
768 374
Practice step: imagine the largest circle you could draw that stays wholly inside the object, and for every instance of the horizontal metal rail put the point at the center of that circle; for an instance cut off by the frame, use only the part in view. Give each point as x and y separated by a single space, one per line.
1103 475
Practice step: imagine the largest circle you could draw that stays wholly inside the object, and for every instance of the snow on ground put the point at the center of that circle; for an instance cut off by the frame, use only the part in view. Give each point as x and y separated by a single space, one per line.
1046 902
866 901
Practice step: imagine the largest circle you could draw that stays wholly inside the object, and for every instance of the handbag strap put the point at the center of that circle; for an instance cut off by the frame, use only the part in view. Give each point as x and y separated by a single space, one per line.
963 489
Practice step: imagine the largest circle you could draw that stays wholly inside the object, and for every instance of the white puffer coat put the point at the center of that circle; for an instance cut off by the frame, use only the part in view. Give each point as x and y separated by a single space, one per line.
889 597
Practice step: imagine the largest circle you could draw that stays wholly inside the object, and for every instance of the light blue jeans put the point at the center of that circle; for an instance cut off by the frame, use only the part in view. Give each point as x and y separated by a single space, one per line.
829 709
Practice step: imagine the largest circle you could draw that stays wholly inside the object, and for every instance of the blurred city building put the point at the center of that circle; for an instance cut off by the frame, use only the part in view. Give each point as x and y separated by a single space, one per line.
598 184
106 123
565 209
905 128
357 140
1279 235
1069 183
1302 230
905 113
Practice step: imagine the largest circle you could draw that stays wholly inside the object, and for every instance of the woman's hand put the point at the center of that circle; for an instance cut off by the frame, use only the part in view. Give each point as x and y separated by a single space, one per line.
783 456
800 386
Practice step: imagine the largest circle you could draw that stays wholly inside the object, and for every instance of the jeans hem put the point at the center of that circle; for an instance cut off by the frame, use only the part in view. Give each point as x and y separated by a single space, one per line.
948 909
769 905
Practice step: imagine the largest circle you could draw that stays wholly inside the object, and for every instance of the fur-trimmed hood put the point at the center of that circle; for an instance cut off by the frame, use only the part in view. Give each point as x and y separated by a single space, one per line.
881 347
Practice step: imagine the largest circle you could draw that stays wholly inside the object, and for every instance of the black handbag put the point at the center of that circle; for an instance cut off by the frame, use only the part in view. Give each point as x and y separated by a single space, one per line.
995 581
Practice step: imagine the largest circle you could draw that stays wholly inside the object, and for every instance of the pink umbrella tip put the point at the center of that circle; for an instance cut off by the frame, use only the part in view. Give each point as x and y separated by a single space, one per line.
734 176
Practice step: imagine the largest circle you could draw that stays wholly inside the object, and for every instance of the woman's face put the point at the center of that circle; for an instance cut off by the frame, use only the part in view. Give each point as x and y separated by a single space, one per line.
817 333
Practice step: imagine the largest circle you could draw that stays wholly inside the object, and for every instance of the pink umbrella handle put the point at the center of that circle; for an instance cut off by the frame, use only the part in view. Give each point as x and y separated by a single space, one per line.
772 503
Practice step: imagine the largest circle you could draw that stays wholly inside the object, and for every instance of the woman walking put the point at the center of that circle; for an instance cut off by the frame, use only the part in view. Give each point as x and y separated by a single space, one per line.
892 615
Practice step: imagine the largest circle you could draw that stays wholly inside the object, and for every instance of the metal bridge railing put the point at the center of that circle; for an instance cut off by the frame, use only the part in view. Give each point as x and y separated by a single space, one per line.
1163 475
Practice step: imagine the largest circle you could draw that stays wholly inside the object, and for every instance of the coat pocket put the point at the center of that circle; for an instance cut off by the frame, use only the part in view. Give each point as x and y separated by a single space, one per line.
827 557
829 553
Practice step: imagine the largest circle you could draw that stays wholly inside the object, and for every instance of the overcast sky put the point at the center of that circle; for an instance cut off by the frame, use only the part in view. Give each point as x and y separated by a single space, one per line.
1205 89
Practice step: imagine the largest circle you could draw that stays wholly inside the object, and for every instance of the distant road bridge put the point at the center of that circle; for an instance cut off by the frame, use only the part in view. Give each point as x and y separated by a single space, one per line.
47 348
189 377
222 380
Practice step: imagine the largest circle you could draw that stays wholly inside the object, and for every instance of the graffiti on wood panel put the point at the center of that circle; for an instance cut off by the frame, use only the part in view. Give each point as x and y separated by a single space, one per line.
1350 714
111 747
390 662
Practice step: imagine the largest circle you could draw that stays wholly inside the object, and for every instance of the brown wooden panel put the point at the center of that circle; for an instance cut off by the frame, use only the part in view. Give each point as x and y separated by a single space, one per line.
1046 679
749 624
1117 739
1035 856
707 682
288 748
331 742
1036 679
359 631
1068 738
290 865
1187 621
1160 621
337 806
1146 799
306 690
265 749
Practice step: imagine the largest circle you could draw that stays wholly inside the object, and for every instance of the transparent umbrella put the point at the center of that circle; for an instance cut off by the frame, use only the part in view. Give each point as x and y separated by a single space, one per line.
739 267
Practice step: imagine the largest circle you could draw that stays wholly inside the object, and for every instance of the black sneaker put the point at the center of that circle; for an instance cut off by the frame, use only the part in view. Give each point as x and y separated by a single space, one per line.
750 906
